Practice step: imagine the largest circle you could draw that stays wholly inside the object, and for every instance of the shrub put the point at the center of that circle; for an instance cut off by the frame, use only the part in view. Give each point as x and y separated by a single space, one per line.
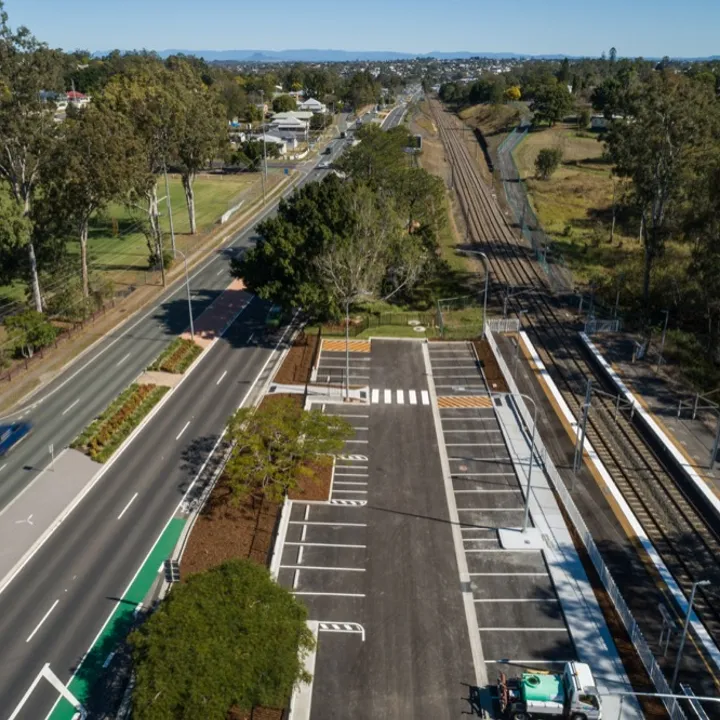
547 162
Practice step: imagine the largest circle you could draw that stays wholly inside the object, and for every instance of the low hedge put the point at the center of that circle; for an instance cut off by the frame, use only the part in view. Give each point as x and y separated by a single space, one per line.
177 357
106 433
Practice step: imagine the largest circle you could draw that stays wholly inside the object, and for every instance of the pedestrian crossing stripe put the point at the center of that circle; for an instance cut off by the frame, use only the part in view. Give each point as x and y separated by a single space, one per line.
360 346
399 397
464 401
343 627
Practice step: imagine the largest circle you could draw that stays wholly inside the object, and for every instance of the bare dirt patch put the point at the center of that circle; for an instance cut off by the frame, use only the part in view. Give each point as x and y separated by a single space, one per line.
298 363
490 367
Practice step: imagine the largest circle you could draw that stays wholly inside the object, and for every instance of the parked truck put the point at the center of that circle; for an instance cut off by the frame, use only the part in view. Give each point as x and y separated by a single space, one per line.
571 694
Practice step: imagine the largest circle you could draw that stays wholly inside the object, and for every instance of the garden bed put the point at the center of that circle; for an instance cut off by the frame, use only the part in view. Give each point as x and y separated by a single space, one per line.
177 357
493 374
107 432
297 366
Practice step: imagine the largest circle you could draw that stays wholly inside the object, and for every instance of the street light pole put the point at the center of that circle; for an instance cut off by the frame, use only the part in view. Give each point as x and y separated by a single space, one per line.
347 350
486 264
169 207
526 514
262 128
685 630
662 339
189 296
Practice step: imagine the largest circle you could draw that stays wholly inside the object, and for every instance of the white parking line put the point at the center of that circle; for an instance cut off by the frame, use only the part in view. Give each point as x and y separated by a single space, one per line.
412 396
509 574
349 482
318 567
387 396
425 397
475 444
318 522
375 396
127 506
479 474
470 431
330 594
44 618
344 474
365 442
122 359
345 415
351 467
335 545
488 492
514 661
515 600
464 419
70 407
220 379
519 629
345 492
183 430
491 509
400 397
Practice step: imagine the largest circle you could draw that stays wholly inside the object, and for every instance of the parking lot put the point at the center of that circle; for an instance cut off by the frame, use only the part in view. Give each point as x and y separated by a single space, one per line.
376 564
520 618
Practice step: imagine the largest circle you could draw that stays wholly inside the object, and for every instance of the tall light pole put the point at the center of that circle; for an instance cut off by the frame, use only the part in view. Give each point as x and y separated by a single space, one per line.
486 264
347 349
695 586
189 296
662 339
262 128
526 514
169 207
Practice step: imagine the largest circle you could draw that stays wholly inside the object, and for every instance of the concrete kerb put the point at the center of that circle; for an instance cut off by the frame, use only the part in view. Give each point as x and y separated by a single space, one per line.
481 677
193 262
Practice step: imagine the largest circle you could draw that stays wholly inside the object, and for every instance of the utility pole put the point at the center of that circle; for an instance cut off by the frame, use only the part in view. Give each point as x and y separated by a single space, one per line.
662 339
580 443
685 630
169 207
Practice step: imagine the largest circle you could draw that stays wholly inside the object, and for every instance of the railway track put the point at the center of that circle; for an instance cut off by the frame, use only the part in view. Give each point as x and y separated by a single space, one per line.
672 515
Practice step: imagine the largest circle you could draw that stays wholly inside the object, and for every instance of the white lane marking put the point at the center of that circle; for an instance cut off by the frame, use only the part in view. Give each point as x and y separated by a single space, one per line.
425 397
513 661
346 415
351 467
388 397
220 379
346 492
44 618
3 467
343 474
348 482
335 545
412 396
122 359
375 396
219 272
127 506
183 430
490 509
470 431
70 407
318 567
476 444
509 574
400 397
364 442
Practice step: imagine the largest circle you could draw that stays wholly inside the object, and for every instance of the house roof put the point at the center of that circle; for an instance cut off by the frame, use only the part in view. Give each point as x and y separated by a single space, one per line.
270 139
75 95
292 114
312 102
289 122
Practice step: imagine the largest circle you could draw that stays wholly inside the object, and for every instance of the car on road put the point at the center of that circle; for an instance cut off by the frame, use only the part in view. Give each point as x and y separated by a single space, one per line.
327 151
323 165
11 435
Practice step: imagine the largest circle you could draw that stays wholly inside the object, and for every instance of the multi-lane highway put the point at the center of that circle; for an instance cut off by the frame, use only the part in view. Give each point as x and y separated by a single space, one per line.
53 609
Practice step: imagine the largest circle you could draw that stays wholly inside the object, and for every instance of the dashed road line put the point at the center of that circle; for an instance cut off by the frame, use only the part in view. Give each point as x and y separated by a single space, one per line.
122 359
130 502
221 378
70 407
185 427
44 618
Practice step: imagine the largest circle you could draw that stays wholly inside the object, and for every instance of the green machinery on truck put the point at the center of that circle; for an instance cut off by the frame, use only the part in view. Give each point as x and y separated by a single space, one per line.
571 694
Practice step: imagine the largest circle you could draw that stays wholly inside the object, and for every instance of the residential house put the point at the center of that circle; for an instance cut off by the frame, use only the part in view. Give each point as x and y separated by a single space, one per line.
291 125
314 106
281 144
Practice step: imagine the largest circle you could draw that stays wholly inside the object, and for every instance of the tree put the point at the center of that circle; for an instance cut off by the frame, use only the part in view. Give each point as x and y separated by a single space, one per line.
30 331
15 231
229 637
563 74
583 118
669 127
97 162
276 445
552 102
27 129
547 162
198 131
613 55
284 103
513 94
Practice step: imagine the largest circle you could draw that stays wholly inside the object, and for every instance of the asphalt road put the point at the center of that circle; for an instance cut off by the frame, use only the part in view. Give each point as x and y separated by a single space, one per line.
53 609
94 554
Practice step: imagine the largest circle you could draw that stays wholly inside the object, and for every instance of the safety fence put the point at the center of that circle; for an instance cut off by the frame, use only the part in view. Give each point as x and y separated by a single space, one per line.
594 326
503 325
631 626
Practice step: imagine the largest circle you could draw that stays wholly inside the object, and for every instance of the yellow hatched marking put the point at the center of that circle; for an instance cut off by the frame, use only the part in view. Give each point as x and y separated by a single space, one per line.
361 346
464 401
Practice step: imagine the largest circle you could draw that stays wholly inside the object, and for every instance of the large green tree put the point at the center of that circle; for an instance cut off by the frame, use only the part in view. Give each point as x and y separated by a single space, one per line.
227 638
666 131
276 445
553 102
98 161
284 103
27 129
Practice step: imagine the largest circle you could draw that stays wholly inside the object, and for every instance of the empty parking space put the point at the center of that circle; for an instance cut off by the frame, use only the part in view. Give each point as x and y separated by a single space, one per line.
518 612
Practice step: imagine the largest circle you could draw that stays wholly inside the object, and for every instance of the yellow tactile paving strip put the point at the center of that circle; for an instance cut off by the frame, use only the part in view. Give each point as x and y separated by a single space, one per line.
361 346
464 401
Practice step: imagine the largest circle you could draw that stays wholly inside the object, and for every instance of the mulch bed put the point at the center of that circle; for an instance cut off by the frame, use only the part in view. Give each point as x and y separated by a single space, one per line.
318 487
490 367
297 366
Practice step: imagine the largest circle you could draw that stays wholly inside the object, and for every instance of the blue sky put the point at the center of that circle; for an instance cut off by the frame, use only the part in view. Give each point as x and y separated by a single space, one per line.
635 27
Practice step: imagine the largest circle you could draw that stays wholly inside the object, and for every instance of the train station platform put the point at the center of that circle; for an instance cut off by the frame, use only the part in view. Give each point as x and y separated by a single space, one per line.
666 412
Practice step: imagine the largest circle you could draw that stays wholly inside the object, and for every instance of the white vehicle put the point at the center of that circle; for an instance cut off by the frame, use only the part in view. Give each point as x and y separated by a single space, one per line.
572 694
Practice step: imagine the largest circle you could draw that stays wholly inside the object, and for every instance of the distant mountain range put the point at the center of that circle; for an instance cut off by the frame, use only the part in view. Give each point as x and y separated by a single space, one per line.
314 55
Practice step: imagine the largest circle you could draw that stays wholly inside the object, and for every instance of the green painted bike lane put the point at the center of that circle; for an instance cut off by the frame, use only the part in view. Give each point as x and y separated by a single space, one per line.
119 624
